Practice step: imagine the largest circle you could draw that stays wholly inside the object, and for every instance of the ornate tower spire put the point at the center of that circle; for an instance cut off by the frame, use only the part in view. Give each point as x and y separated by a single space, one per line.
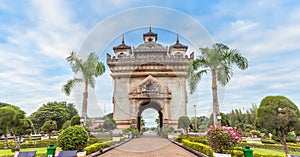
150 36
123 41
177 39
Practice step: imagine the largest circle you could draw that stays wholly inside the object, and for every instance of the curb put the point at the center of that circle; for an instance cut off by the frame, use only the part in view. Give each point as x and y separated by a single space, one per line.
188 149
100 152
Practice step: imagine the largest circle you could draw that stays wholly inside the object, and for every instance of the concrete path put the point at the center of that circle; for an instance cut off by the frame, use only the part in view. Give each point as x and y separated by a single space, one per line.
148 146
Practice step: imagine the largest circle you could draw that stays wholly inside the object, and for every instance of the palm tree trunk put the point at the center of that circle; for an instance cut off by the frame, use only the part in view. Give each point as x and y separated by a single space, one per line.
215 97
85 101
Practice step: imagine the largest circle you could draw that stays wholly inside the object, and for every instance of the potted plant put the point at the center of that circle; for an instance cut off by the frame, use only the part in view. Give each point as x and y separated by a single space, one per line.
222 139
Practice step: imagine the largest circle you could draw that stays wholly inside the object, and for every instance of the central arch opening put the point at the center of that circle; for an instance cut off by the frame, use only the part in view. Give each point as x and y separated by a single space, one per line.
148 105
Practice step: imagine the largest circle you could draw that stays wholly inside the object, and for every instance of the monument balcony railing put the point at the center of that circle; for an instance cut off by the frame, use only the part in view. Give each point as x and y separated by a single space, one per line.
149 68
148 58
124 121
156 95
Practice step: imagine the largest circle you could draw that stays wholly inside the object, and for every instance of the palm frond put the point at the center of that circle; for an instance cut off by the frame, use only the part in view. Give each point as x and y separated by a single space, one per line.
224 74
195 75
67 88
234 57
100 69
91 82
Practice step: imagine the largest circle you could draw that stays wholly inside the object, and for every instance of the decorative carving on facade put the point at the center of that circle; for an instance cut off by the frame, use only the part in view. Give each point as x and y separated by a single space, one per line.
150 88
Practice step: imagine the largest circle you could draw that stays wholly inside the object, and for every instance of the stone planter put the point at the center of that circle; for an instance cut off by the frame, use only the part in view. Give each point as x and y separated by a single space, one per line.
221 155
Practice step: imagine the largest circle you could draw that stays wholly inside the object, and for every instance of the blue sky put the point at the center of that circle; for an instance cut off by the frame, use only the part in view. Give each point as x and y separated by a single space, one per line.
36 37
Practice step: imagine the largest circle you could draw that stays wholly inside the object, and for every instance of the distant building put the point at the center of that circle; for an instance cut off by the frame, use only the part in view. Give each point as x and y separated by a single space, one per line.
96 124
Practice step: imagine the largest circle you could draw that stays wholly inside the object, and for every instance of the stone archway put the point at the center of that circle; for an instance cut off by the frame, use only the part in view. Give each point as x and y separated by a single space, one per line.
148 105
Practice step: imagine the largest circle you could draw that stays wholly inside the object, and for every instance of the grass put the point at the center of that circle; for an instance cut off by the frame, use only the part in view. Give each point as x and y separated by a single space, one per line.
273 152
8 151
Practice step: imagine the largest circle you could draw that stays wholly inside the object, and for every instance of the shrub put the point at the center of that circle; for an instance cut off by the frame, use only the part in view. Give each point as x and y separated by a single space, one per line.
267 141
198 139
270 146
222 138
202 148
265 155
275 138
98 146
237 153
73 138
255 133
75 120
93 140
177 138
291 138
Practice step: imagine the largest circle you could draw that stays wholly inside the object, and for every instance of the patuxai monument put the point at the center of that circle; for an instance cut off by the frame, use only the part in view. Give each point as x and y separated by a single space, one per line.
149 76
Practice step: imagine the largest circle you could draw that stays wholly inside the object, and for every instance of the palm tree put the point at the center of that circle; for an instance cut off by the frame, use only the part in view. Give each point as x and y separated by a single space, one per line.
88 69
218 60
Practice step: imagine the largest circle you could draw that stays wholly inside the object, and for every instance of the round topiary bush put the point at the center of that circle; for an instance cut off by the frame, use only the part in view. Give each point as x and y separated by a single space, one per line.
73 138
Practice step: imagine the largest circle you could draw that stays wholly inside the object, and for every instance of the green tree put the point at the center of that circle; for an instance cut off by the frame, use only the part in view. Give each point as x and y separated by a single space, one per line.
56 111
11 118
2 104
109 116
6 121
25 127
67 141
157 121
109 124
66 124
89 69
184 123
75 120
280 114
224 120
142 122
219 61
198 121
242 120
49 126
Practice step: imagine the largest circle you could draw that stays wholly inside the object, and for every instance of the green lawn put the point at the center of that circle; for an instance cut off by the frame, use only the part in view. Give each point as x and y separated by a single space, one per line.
275 152
8 151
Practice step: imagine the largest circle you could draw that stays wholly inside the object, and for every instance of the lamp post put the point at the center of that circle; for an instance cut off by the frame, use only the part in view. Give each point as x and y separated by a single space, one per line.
219 118
195 117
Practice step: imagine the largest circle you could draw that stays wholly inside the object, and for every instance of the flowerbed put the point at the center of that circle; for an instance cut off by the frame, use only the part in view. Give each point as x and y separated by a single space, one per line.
222 139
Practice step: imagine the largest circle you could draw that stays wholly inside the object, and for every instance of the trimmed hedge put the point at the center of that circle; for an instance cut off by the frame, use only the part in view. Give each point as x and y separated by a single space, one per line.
202 148
236 152
270 146
98 146
31 144
199 139
266 155
38 154
177 139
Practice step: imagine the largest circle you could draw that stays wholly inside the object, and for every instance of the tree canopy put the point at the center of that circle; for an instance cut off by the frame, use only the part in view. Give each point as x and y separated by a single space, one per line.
13 121
218 60
183 122
89 69
56 111
49 126
280 114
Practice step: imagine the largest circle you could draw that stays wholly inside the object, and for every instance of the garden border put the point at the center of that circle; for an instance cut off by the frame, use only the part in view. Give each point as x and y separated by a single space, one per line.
100 152
187 148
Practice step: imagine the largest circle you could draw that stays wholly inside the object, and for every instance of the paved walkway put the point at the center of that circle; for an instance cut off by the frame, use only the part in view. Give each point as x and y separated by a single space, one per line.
148 146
